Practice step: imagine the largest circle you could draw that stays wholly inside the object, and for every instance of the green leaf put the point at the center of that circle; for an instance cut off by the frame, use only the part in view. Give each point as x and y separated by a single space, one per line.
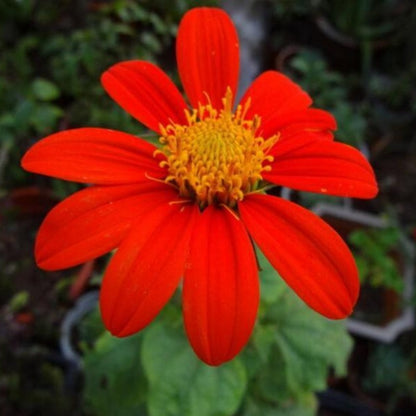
292 348
257 352
45 90
273 380
18 301
306 345
373 250
180 384
45 117
263 339
272 285
23 114
7 120
90 329
114 380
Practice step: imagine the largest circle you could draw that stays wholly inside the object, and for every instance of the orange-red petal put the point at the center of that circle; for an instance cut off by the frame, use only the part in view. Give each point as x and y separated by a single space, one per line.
145 92
92 222
208 55
146 269
311 120
309 255
309 164
93 155
221 288
273 95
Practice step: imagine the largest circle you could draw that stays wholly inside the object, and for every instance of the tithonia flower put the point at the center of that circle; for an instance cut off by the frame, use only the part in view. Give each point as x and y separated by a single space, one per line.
191 209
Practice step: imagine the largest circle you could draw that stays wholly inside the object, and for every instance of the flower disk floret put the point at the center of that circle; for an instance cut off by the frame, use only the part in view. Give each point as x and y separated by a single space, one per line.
217 157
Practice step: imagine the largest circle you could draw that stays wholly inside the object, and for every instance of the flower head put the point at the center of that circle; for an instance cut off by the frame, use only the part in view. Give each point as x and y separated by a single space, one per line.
218 156
191 208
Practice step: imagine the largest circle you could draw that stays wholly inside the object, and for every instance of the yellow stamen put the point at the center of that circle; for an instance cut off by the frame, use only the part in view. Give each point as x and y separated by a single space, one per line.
217 157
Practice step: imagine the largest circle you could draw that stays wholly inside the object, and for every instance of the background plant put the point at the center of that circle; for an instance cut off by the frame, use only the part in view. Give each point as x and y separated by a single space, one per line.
53 54
376 254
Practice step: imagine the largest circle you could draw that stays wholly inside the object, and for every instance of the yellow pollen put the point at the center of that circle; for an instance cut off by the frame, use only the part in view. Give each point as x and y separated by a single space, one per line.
217 157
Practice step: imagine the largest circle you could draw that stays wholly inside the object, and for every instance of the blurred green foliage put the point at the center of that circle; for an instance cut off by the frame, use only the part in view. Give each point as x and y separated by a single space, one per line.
375 252
386 369
329 90
365 19
287 9
37 385
53 54
356 59
390 373
18 301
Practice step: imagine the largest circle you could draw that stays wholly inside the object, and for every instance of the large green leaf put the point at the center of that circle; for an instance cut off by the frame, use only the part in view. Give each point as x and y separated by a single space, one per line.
180 384
272 380
295 345
114 380
306 346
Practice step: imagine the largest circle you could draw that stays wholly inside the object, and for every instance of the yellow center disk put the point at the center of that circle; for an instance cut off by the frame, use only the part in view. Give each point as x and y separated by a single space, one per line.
217 157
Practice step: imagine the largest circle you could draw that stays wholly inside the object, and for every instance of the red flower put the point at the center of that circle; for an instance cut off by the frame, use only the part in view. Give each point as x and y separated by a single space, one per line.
190 208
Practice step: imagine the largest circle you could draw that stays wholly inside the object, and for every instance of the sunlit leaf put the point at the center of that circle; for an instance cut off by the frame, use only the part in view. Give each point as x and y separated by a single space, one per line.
45 90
